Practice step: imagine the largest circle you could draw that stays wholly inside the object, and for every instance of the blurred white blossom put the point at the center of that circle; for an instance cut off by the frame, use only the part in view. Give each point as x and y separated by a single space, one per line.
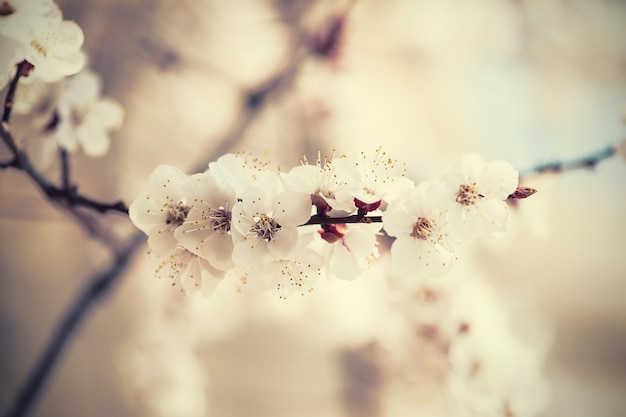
477 190
34 30
85 119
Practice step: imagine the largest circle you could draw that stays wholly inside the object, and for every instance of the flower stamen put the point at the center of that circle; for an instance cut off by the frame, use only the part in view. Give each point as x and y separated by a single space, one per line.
422 229
265 227
176 214
468 194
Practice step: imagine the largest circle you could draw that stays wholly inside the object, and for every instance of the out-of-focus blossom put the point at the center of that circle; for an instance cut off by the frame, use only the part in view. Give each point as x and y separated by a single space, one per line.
477 190
186 269
34 30
621 150
85 119
423 243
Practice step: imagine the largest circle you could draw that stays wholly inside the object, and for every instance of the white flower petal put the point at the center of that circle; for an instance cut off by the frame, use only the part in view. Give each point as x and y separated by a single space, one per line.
283 242
292 208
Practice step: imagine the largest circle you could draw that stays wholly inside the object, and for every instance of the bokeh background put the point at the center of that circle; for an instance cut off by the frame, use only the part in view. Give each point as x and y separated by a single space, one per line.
525 81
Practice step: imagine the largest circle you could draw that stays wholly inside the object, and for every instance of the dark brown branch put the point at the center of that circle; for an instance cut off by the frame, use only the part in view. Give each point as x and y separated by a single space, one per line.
64 161
10 97
11 163
66 197
356 218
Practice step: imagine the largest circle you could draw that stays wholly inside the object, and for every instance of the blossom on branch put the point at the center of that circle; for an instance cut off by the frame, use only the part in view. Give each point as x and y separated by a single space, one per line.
206 230
84 118
34 30
241 219
477 191
423 244
160 212
265 224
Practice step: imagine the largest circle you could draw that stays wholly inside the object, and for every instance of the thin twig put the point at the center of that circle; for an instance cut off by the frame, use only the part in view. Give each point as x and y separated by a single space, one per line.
64 161
586 162
61 195
355 218
10 97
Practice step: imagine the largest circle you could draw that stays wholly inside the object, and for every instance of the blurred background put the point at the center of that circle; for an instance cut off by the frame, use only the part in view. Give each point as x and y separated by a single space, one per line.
525 81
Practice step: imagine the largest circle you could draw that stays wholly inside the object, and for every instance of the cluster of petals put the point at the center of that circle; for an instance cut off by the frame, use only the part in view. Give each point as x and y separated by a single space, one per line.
85 119
269 230
428 222
34 30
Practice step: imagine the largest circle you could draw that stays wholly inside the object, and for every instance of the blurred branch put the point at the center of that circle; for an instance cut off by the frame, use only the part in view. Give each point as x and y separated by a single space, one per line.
96 289
585 162
66 196
255 101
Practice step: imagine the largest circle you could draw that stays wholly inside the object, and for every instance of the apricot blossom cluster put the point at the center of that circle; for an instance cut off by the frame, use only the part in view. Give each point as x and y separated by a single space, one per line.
243 220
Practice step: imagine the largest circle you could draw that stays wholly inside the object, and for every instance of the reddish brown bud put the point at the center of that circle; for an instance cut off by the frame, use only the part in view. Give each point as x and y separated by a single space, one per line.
521 192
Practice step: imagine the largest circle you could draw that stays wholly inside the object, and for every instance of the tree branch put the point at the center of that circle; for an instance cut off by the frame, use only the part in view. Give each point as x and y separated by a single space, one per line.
586 162
96 289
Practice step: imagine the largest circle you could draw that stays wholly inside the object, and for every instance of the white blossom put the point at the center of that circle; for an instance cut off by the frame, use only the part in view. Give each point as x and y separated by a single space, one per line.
420 224
160 212
331 190
207 227
349 248
241 170
377 178
266 224
85 119
476 190
37 33
186 269
297 273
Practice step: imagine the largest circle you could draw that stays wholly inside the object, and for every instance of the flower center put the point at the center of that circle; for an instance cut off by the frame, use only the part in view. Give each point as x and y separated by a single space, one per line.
219 220
265 227
6 9
468 194
423 228
176 214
